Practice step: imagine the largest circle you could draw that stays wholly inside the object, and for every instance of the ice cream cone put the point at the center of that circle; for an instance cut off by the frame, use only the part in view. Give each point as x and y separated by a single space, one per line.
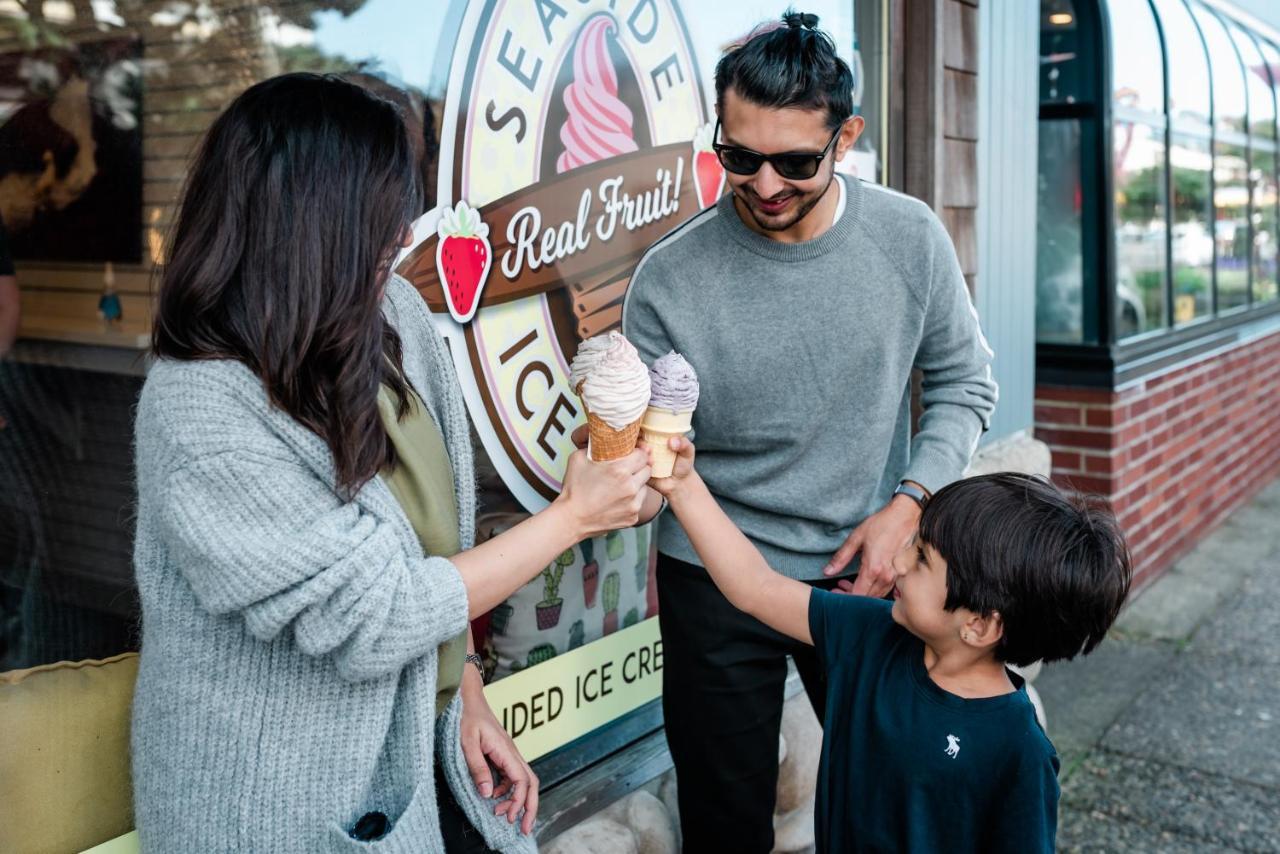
656 429
607 443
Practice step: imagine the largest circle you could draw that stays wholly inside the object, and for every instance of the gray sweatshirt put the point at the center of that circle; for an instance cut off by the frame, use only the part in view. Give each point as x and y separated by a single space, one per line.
804 352
288 676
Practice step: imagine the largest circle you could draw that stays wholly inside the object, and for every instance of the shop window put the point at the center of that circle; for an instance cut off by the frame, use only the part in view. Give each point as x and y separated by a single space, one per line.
1137 81
1060 265
1065 72
1266 192
1192 232
1183 244
1230 103
1140 203
1189 92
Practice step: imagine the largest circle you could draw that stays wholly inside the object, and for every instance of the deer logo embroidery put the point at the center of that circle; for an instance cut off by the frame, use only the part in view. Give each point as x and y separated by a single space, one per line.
953 746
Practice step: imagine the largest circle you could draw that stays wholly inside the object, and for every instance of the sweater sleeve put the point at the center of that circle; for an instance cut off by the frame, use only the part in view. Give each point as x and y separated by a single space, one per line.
266 539
958 393
641 322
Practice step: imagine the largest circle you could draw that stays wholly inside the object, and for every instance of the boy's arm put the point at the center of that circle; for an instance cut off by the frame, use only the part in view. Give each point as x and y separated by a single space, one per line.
736 566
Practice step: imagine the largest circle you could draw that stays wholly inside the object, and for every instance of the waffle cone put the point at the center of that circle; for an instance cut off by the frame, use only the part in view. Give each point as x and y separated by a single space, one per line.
656 429
607 443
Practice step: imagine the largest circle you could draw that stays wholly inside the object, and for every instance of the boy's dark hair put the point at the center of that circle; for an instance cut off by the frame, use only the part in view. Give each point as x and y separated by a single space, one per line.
792 65
1055 566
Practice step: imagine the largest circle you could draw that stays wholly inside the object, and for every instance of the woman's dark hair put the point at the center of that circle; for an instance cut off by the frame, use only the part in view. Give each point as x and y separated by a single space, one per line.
292 214
1055 566
792 65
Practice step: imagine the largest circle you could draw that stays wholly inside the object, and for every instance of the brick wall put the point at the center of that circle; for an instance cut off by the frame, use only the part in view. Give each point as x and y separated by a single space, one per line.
1175 453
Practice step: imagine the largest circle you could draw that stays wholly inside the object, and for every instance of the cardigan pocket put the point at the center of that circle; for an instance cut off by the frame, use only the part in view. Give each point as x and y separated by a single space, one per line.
416 829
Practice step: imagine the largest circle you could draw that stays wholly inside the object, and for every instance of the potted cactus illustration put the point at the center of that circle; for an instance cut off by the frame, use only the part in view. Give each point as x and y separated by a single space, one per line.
577 634
614 547
612 588
540 653
500 618
590 573
548 610
642 558
633 617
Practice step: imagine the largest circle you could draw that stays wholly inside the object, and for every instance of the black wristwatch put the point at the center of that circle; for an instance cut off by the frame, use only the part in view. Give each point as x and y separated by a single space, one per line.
915 493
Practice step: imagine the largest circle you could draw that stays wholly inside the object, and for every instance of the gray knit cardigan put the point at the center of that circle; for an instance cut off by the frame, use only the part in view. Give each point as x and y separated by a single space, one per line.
288 673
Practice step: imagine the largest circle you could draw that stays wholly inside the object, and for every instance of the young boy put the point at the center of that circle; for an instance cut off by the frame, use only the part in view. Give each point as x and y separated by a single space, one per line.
930 742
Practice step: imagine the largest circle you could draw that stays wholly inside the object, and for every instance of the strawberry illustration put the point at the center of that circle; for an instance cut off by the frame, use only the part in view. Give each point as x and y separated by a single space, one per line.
463 257
708 174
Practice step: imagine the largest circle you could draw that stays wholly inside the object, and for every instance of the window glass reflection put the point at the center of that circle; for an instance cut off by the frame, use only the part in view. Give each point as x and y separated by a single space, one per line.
1267 201
1192 238
1140 199
1188 67
1064 67
1227 76
1262 106
1262 181
1231 224
1059 255
1137 72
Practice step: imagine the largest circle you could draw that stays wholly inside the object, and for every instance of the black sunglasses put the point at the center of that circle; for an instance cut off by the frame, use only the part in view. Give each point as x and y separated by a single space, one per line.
792 165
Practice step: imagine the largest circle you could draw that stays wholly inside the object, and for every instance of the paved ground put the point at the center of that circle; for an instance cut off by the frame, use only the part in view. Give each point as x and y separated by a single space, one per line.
1169 732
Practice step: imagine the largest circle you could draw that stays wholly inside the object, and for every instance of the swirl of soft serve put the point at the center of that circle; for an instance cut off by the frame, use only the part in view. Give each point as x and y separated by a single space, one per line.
589 354
674 384
599 123
617 388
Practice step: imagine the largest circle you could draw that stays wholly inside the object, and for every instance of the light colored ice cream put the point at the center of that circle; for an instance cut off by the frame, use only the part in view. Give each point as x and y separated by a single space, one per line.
589 354
616 388
674 384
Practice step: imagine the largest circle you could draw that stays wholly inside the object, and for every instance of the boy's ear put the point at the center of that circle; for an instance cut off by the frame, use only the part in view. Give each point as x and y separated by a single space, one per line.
982 631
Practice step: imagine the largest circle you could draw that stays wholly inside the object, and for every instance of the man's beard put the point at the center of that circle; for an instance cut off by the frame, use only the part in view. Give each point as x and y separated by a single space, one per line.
807 204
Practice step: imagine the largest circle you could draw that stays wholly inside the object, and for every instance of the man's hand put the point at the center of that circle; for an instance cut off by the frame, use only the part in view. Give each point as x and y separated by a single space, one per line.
878 538
485 743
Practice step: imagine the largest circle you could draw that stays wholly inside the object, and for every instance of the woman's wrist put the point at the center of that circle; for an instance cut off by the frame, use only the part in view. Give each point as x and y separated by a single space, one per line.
565 517
472 684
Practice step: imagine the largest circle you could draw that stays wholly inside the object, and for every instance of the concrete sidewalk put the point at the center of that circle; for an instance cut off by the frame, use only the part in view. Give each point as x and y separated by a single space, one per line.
1169 732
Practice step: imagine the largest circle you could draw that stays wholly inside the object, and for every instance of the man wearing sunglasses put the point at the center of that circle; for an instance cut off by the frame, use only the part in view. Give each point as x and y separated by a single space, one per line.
804 300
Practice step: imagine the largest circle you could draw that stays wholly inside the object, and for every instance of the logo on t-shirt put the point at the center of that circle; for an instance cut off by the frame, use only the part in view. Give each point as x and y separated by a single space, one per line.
953 746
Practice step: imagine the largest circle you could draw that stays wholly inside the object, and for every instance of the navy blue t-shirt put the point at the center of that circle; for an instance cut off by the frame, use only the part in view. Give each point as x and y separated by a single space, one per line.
907 766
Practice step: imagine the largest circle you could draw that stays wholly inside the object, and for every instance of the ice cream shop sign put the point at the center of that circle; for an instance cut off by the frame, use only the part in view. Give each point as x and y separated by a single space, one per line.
575 135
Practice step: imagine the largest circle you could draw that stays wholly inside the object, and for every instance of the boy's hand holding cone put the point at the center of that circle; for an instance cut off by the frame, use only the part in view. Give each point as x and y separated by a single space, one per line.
673 398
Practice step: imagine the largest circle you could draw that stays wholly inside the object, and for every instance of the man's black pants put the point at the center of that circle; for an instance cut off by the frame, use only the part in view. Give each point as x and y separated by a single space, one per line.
723 674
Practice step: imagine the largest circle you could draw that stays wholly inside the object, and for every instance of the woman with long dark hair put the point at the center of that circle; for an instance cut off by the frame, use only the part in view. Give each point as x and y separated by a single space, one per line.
305 526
